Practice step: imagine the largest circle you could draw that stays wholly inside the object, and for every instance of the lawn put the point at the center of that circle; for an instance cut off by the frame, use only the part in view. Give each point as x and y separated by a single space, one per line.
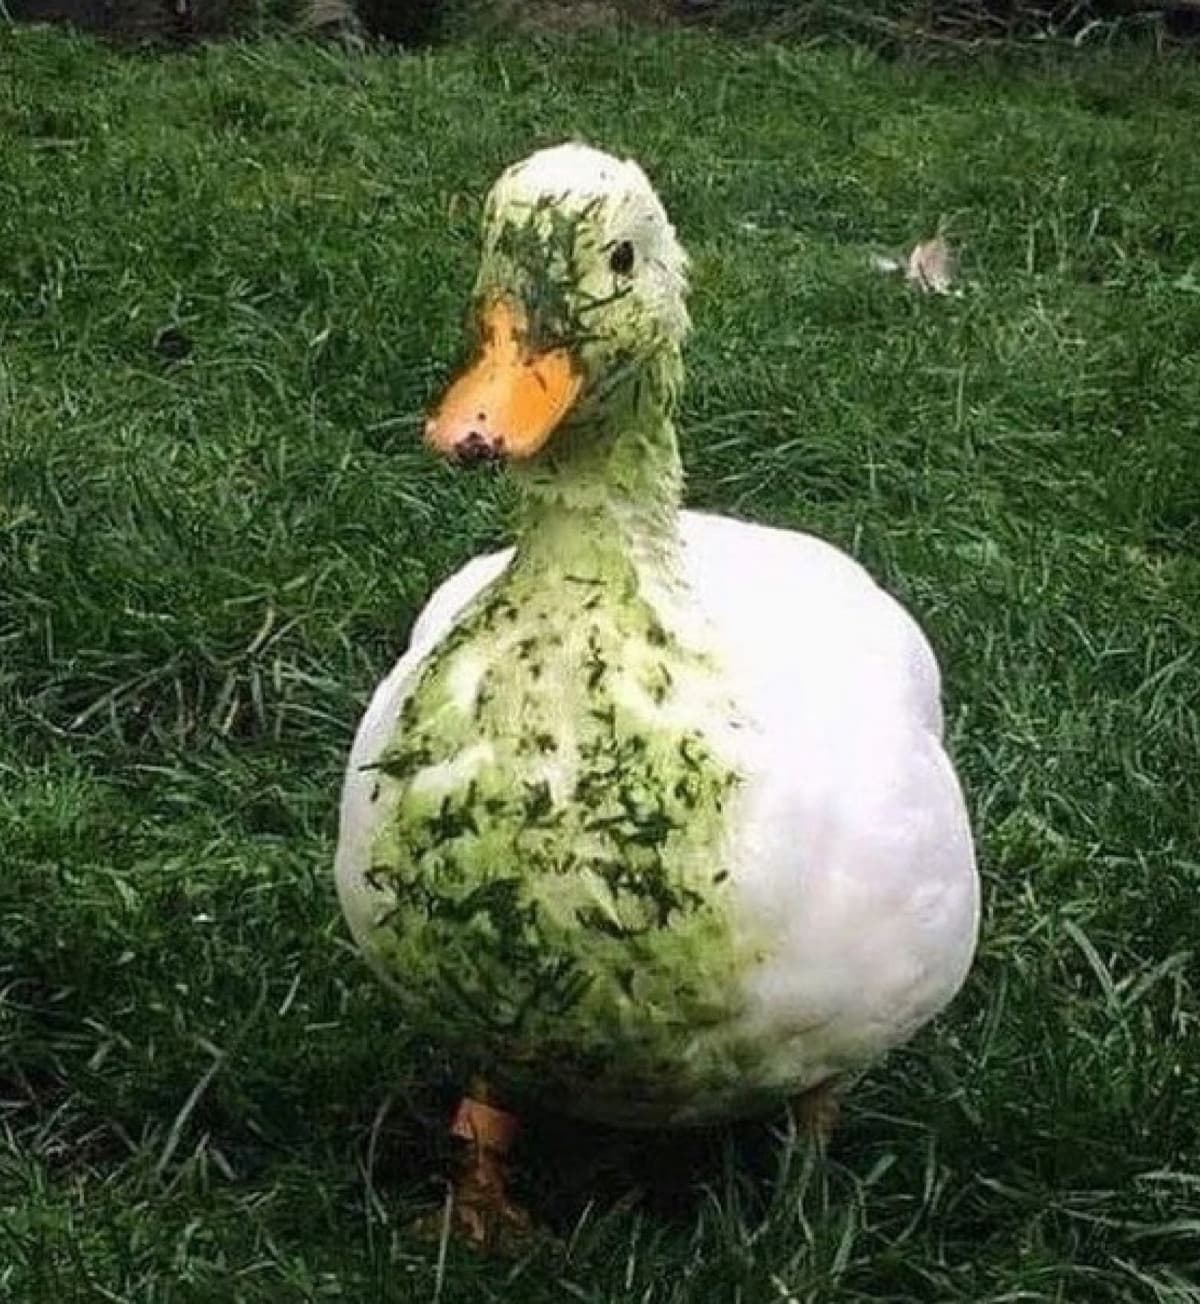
230 280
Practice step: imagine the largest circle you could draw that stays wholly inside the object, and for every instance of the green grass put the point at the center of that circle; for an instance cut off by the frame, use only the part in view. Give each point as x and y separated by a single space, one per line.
207 561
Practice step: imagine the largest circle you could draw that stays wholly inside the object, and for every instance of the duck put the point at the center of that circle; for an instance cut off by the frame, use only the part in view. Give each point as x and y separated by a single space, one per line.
652 824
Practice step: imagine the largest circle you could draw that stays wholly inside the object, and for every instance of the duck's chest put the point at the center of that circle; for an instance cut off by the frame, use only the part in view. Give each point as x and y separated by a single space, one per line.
553 829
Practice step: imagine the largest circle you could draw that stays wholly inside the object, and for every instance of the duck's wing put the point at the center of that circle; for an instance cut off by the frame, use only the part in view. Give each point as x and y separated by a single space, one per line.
804 610
856 842
452 596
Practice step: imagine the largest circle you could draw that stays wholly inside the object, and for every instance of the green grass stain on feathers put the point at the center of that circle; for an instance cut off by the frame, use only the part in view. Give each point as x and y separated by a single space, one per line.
553 852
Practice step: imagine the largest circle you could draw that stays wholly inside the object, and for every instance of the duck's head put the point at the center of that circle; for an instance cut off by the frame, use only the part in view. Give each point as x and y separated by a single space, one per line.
579 304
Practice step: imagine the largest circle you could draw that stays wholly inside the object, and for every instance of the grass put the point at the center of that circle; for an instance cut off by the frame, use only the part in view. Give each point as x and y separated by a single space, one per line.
229 282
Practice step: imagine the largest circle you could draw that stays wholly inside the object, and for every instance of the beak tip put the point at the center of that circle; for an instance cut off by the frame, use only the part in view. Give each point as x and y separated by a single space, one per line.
477 449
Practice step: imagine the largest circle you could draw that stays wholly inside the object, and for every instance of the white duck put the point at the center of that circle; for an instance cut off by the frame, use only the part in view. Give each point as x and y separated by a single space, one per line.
652 823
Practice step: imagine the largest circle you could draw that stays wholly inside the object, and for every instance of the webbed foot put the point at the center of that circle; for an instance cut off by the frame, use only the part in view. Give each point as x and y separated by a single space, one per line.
816 1111
479 1209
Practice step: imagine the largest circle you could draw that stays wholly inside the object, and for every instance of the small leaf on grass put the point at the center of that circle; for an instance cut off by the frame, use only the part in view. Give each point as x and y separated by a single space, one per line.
931 266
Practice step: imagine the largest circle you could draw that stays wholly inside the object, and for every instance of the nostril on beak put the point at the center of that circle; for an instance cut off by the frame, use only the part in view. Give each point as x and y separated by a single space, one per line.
475 448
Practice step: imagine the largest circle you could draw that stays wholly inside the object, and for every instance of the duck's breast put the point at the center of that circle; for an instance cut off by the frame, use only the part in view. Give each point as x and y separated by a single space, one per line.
533 845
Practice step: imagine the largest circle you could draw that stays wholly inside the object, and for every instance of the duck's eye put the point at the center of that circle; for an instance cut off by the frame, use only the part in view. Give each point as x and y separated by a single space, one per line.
621 258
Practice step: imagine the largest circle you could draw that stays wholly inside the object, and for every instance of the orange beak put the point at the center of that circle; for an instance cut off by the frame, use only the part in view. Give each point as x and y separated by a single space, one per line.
509 400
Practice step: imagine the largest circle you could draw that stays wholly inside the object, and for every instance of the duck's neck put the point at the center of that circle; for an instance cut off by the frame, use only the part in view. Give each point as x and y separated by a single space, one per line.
604 503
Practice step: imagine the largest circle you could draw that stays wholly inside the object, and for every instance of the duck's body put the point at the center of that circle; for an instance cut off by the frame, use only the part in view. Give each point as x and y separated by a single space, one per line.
653 820
812 909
